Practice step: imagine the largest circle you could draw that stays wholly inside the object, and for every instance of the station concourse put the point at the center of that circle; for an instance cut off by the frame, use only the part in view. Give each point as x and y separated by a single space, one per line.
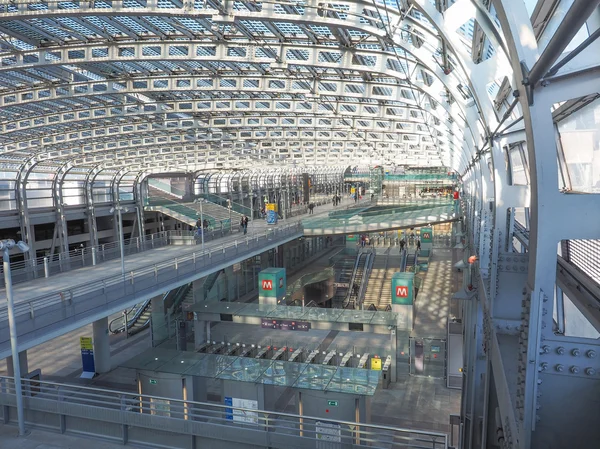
300 224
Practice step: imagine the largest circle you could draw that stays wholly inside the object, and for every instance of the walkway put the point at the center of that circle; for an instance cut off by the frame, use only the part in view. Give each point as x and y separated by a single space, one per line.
376 218
46 308
432 305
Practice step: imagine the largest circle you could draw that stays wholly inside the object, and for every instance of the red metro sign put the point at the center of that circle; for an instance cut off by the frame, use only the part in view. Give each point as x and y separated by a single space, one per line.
402 291
267 284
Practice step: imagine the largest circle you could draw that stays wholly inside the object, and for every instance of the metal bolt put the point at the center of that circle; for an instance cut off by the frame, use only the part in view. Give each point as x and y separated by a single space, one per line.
575 370
560 350
559 368
591 353
575 352
543 366
590 371
545 349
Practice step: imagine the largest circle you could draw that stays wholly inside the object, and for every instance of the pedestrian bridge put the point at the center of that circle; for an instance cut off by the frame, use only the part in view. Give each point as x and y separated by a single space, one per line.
382 217
46 308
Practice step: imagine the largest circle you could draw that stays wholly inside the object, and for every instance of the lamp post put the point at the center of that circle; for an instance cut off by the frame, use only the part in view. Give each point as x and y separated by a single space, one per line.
200 201
119 210
5 247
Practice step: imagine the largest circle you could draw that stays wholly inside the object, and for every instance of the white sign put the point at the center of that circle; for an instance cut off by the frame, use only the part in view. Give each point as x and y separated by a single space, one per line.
327 431
244 415
341 285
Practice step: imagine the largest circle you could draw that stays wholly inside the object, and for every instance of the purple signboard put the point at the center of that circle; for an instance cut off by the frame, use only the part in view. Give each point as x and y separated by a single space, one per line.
285 325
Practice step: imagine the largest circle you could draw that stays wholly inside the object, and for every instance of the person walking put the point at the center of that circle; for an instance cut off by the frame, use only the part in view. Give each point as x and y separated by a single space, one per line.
418 244
311 206
402 243
363 240
205 224
244 224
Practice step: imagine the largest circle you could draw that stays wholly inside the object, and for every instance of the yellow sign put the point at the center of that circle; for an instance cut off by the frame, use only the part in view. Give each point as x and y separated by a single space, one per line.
272 206
400 233
86 343
352 189
376 364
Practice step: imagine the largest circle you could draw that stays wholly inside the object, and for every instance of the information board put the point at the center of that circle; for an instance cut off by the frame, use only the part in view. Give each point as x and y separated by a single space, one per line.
244 416
285 325
328 431
87 357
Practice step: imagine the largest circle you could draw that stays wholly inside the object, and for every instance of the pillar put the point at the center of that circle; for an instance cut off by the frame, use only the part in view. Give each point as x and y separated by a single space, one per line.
101 345
200 332
160 331
22 363
403 298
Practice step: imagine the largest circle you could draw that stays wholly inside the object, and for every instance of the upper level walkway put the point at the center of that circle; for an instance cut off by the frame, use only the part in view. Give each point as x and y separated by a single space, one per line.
382 215
46 308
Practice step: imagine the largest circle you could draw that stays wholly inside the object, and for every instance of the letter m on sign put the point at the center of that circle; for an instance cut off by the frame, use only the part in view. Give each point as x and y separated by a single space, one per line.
426 235
401 291
267 284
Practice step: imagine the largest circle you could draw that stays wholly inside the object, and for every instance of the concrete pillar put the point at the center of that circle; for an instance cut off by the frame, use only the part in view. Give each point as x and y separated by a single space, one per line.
200 335
160 332
22 363
101 345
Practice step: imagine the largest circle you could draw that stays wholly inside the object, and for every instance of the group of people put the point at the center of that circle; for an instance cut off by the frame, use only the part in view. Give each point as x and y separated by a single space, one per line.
337 199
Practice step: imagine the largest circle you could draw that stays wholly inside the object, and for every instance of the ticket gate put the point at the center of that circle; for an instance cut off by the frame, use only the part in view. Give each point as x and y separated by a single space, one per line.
262 353
216 348
386 372
329 357
364 360
295 356
245 351
203 347
230 349
279 353
311 357
347 359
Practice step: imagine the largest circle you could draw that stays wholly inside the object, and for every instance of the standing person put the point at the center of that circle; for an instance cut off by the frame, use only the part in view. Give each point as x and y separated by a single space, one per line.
363 240
402 243
418 244
311 206
244 224
205 224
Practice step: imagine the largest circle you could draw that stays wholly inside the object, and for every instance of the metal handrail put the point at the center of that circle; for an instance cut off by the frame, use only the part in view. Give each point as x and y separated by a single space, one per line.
358 433
92 255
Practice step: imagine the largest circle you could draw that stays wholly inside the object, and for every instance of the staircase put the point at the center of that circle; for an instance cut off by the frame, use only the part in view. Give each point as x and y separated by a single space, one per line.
379 288
189 213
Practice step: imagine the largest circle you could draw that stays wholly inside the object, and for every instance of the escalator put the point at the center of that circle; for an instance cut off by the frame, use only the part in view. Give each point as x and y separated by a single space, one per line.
411 260
344 269
138 319
403 259
359 276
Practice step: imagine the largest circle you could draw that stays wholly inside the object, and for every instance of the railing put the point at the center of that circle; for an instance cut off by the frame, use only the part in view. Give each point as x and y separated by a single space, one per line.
224 202
107 295
365 279
160 421
26 270
167 188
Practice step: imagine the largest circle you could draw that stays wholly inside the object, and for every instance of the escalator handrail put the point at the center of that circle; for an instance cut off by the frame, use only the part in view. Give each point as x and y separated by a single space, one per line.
130 321
365 278
349 293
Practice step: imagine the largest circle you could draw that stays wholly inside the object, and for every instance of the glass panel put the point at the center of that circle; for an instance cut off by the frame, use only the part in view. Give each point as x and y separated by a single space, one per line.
519 175
580 138
576 325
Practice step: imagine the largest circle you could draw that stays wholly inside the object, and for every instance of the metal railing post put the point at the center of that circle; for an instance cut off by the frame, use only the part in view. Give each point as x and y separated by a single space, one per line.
94 255
46 268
